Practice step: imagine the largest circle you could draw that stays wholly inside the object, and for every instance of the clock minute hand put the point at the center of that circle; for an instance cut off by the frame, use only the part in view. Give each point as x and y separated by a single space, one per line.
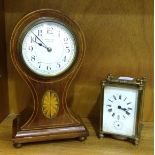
124 109
42 43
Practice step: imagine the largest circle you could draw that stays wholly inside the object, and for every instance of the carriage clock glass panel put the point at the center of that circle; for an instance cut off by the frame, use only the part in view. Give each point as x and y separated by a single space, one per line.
48 47
120 107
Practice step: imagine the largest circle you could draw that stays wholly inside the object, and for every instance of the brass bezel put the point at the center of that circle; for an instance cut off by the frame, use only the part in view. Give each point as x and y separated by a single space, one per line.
34 23
135 83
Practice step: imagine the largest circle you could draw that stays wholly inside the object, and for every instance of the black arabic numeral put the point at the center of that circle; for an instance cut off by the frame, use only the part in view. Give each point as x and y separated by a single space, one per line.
33 58
39 64
59 65
48 68
66 40
64 59
68 50
40 32
49 30
31 48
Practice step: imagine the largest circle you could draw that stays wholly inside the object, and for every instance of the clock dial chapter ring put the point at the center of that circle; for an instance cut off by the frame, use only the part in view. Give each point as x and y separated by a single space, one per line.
119 107
48 53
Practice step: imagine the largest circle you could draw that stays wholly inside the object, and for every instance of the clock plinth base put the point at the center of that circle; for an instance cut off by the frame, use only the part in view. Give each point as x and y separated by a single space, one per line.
35 135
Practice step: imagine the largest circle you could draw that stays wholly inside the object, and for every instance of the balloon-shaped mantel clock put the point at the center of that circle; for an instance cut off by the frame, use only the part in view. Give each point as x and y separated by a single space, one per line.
47 49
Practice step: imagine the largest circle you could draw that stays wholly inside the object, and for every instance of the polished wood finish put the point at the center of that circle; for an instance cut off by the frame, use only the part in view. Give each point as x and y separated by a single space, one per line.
119 37
31 125
4 106
92 146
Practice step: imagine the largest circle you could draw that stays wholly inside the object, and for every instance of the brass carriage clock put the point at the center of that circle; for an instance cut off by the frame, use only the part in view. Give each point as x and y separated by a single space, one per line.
47 49
121 107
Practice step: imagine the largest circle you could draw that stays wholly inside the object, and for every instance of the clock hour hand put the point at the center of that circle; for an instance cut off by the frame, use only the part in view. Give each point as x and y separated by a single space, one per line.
42 43
124 109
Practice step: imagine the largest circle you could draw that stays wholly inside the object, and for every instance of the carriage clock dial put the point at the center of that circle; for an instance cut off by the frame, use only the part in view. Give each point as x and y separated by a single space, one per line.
47 49
121 107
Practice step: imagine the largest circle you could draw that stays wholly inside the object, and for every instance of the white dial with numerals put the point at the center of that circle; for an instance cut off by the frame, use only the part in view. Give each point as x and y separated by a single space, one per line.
119 110
48 48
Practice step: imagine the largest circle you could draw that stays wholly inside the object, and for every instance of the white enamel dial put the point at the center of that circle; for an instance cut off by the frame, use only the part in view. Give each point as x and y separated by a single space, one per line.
48 48
119 110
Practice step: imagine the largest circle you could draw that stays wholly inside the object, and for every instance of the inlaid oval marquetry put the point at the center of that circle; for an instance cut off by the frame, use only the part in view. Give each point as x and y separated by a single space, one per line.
50 104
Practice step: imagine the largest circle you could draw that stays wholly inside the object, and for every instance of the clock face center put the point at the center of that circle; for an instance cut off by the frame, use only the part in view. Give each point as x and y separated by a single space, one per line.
119 107
49 49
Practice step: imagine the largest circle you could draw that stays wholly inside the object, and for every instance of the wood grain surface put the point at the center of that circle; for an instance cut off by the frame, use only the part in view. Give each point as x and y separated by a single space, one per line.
119 38
91 146
4 107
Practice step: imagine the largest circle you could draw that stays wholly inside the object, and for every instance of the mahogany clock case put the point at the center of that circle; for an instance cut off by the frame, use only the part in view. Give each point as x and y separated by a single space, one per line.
31 122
